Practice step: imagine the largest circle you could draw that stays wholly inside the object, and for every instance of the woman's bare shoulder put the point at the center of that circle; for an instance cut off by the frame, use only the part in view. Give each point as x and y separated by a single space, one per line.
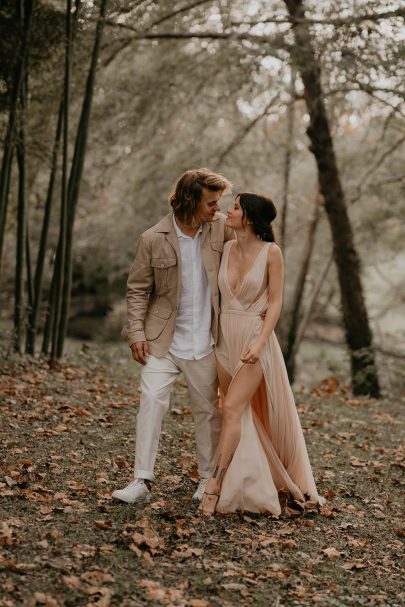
274 254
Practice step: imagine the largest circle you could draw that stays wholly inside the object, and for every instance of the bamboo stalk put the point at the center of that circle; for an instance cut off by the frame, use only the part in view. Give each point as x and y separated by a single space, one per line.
75 177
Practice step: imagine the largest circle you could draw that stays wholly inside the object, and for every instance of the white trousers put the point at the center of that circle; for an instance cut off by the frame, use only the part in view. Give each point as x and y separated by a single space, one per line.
157 379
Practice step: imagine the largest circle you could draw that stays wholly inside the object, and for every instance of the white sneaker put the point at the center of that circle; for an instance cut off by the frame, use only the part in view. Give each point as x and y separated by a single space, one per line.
200 489
136 491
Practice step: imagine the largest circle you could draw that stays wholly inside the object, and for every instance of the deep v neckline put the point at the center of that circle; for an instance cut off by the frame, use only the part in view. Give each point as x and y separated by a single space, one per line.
231 291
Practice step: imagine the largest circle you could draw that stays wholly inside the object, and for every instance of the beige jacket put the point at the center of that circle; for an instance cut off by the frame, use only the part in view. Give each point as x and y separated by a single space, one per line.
153 287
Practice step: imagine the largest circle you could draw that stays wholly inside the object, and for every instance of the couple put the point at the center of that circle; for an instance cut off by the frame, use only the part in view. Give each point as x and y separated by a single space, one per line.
185 268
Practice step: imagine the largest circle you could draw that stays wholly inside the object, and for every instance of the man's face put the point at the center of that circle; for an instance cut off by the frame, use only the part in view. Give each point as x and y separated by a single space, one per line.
208 205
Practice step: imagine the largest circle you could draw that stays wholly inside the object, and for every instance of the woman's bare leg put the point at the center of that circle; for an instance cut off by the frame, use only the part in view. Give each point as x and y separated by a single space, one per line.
224 379
237 397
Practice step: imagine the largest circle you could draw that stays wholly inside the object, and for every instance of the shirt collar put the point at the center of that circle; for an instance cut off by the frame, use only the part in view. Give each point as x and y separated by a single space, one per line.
181 234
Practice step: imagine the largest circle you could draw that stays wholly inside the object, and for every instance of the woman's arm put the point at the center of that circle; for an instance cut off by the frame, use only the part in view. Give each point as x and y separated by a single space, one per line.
275 270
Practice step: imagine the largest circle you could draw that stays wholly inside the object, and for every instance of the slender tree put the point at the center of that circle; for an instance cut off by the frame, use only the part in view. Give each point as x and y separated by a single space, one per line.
25 16
26 7
21 237
287 159
76 175
49 323
28 264
355 317
60 259
302 327
298 296
39 269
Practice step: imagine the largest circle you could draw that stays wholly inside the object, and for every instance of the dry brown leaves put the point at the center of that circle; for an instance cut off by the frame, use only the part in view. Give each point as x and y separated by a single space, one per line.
64 454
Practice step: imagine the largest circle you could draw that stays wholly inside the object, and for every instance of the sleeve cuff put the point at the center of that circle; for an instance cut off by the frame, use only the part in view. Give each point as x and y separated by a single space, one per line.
133 336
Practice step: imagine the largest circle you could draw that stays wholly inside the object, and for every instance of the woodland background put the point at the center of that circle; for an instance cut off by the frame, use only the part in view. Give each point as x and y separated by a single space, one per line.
189 84
103 104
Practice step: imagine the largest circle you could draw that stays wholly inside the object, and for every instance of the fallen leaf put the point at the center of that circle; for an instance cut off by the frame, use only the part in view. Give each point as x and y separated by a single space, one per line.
71 581
46 509
149 539
95 577
354 566
42 598
287 544
102 524
332 553
357 463
234 586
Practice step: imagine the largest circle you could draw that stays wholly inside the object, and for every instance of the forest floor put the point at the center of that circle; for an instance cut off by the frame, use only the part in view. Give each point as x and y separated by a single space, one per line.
67 438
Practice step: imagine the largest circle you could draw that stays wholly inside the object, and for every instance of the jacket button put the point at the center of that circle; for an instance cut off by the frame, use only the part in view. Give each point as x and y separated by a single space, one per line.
162 265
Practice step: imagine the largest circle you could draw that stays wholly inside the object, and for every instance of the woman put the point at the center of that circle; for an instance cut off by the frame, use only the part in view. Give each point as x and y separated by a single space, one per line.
261 450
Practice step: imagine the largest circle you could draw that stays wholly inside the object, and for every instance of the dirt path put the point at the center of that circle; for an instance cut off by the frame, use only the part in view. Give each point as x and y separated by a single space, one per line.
67 441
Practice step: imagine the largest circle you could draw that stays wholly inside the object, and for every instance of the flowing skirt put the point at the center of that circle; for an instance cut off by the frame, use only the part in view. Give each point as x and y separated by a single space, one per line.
271 456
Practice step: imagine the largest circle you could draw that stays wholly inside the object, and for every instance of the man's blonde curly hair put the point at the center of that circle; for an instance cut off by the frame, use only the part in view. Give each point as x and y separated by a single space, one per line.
186 194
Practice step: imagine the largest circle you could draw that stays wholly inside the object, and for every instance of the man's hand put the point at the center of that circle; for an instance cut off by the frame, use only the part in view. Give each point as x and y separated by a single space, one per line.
140 352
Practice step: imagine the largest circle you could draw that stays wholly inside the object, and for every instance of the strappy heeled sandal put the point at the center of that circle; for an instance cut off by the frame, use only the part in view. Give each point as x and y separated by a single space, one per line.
206 499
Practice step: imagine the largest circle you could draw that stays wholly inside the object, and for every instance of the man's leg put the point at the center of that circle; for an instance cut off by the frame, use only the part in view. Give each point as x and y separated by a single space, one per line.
202 380
157 378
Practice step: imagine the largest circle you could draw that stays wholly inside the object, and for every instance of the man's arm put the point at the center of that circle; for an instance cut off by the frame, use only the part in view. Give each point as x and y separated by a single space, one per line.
139 286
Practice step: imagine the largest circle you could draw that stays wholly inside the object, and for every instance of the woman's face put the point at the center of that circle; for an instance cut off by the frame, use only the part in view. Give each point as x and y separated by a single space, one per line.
234 216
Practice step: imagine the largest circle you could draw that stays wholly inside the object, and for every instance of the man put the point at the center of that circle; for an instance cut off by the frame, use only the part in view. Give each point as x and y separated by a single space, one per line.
173 309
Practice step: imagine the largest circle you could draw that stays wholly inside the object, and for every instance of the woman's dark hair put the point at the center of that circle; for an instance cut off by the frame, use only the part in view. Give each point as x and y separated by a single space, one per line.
260 211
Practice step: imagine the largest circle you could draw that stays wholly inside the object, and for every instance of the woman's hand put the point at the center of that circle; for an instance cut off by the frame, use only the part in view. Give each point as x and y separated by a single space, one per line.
253 353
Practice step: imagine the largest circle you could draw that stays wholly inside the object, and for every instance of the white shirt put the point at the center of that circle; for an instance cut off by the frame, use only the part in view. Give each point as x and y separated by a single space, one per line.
192 337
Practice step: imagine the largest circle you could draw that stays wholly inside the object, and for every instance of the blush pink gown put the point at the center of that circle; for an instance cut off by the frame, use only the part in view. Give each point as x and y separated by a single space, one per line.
271 455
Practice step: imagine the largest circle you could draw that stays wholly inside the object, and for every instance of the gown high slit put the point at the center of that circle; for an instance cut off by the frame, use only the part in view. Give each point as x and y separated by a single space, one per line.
271 456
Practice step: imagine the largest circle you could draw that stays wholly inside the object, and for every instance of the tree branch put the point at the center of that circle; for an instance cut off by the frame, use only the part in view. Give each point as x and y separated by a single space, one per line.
365 178
166 17
370 91
199 35
400 12
179 11
374 89
245 131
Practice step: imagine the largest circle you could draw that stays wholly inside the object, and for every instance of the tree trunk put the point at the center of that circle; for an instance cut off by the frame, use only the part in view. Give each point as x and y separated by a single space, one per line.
39 270
21 237
59 266
289 352
358 332
308 312
30 285
287 161
5 187
25 13
75 177
50 310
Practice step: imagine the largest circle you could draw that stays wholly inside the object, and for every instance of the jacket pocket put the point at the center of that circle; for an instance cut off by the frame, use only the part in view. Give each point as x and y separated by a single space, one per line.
161 267
163 262
156 320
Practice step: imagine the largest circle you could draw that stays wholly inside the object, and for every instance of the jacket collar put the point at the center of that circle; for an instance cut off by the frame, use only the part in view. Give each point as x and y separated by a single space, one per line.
165 225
